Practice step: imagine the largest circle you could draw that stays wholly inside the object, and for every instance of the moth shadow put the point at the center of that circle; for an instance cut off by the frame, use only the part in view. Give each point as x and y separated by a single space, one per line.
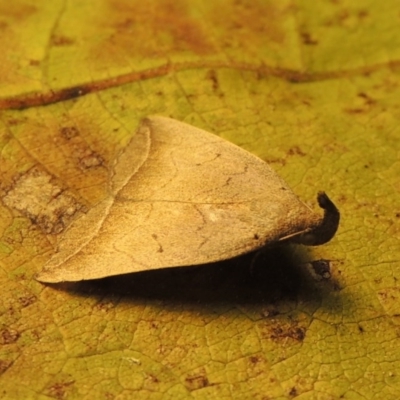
276 274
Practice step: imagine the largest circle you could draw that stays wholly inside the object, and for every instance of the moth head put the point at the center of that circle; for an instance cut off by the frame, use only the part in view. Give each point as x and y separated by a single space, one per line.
325 228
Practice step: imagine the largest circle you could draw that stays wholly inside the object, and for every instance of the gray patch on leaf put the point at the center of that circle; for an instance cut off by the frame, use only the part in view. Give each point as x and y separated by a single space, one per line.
36 196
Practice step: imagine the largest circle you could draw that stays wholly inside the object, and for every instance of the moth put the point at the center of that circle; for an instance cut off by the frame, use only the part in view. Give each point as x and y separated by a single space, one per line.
181 196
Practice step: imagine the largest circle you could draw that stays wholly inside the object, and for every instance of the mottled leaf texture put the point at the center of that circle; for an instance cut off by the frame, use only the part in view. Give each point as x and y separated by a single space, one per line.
181 196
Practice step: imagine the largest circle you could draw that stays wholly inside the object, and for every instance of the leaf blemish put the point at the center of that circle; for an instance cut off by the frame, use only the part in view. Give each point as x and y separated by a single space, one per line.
197 382
37 196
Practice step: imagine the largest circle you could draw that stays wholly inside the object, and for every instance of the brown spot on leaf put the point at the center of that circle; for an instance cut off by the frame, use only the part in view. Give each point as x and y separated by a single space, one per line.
9 336
104 306
255 359
68 132
37 196
59 389
194 382
152 378
308 39
281 331
356 110
295 333
61 41
35 334
280 161
212 76
296 151
362 14
367 99
26 301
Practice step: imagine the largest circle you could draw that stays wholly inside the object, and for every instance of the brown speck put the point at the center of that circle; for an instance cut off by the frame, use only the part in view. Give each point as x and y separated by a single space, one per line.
255 359
295 150
61 41
360 329
8 336
280 161
212 76
369 101
196 382
292 332
58 390
68 132
354 110
308 39
105 306
298 334
35 334
293 392
152 378
26 301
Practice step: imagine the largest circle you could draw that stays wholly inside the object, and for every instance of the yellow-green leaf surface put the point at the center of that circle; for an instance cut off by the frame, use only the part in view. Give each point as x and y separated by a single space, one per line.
310 87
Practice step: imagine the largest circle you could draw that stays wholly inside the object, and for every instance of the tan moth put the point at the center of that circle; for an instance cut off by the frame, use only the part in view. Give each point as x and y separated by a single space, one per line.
182 196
